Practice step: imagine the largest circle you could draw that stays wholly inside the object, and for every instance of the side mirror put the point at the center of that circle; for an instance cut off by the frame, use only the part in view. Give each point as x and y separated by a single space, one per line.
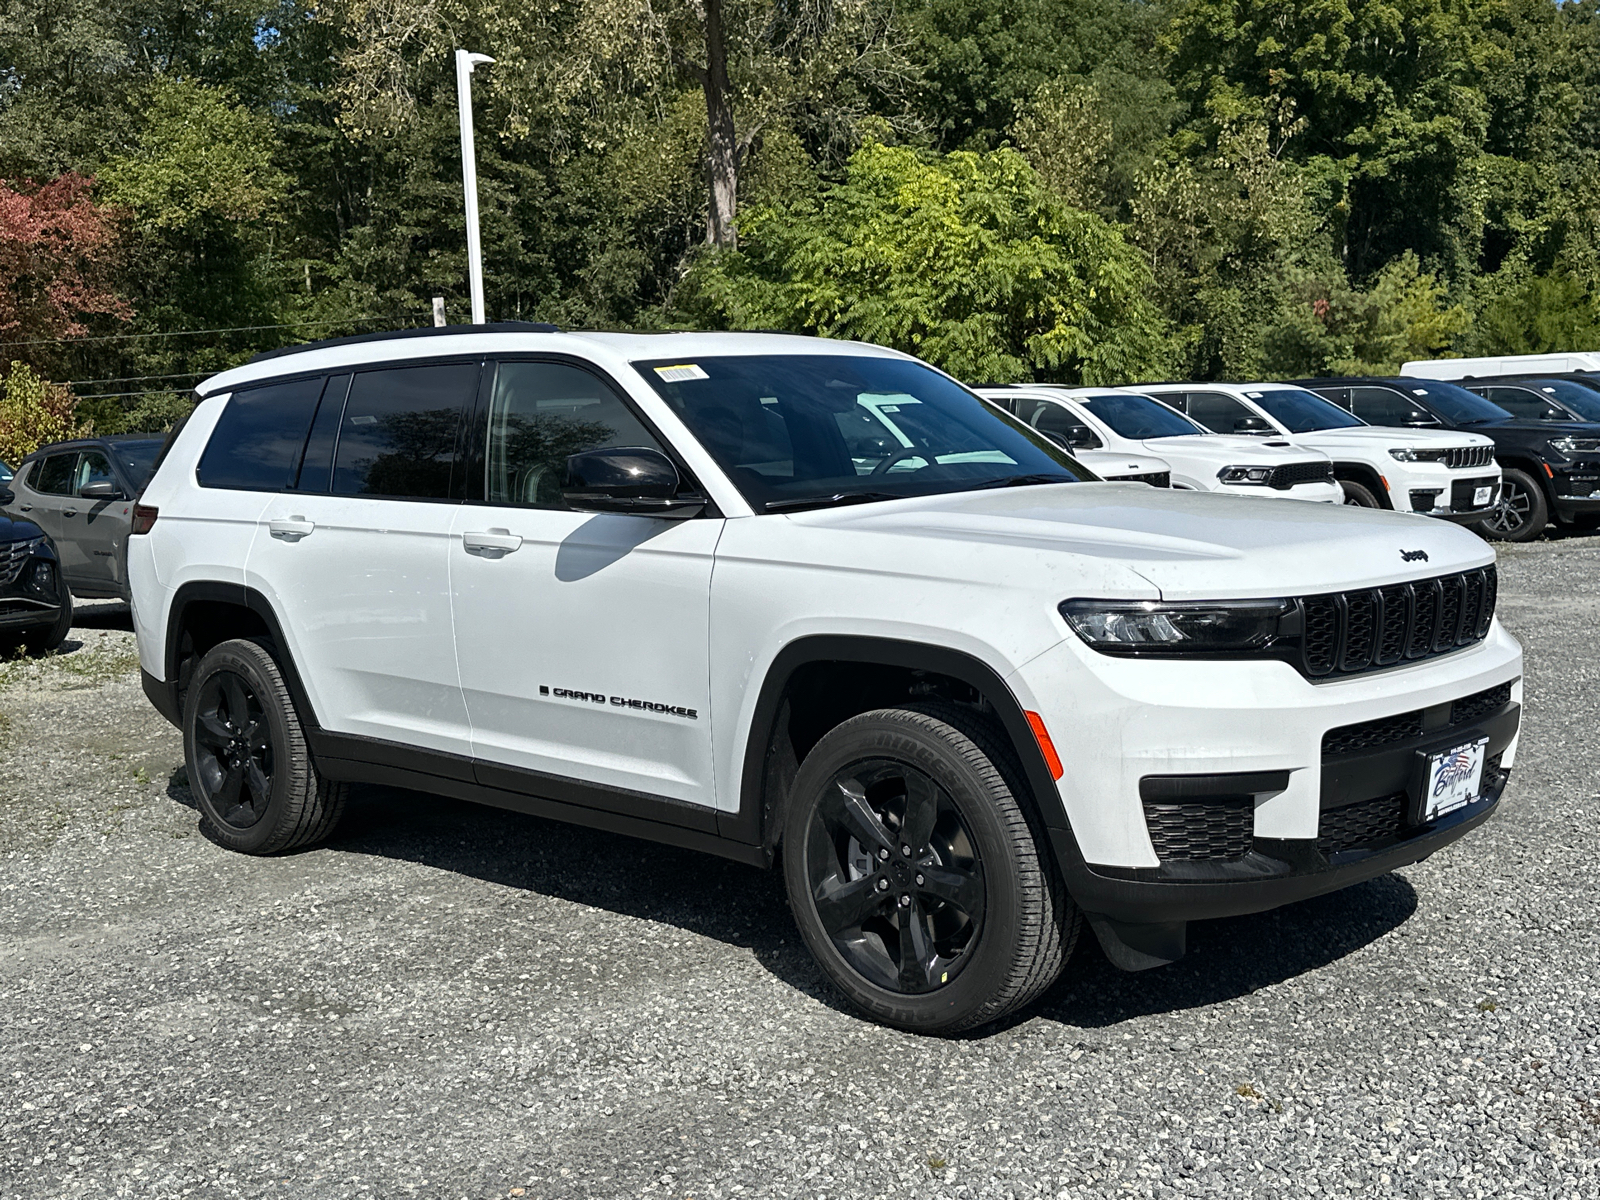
1079 437
7 497
100 489
1253 425
621 479
1419 421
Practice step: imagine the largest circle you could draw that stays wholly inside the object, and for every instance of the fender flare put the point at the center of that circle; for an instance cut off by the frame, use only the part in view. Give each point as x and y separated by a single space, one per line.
238 595
750 824
1367 477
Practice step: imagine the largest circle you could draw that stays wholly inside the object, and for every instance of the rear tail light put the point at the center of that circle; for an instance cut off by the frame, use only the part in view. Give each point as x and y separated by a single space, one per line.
144 518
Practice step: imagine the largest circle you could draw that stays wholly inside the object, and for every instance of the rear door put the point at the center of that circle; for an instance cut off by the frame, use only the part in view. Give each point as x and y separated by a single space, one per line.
583 638
354 550
44 492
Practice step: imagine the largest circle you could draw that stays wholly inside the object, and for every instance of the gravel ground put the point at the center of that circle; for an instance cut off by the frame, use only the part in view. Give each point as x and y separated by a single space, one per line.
450 1001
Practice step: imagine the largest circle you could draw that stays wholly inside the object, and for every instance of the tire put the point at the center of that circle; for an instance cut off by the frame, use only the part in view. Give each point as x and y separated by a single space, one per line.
48 637
249 768
1522 512
951 925
1359 494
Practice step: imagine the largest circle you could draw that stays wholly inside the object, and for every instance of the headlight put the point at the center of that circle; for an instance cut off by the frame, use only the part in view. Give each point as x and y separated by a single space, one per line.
1404 455
1563 445
1204 627
1257 475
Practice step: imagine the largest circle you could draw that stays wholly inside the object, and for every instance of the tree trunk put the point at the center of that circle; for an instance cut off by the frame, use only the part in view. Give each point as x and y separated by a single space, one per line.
722 154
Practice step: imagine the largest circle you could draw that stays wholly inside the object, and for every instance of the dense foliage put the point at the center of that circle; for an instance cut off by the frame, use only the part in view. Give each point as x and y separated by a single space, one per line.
1066 189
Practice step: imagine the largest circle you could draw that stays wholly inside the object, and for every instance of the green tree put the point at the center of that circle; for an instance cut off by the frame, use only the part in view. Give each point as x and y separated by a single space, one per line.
965 260
34 412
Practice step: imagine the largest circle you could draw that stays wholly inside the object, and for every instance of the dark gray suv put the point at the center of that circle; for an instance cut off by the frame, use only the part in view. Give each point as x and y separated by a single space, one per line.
81 494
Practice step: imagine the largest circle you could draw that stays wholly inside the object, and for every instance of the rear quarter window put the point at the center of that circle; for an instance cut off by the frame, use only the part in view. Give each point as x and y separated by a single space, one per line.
257 441
398 435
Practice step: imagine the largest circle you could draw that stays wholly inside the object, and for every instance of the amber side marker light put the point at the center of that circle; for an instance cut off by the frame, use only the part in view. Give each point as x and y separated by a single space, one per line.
144 518
1046 746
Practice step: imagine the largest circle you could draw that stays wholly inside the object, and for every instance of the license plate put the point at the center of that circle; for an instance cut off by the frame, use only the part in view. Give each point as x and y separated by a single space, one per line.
1453 779
1480 496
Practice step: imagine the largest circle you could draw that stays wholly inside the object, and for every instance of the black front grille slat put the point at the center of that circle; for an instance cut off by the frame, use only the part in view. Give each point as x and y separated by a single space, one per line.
1395 621
1346 633
1214 830
1463 457
12 556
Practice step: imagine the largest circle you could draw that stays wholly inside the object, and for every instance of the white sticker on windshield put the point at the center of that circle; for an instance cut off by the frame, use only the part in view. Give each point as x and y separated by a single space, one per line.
681 373
1419 391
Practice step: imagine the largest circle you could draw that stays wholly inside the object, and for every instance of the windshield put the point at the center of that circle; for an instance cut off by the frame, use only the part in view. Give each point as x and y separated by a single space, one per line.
1580 399
1139 417
1300 411
138 459
795 427
1453 402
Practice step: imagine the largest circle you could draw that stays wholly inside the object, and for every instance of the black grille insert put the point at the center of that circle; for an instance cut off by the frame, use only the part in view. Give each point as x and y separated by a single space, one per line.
1480 704
1368 823
1215 830
1348 739
1349 632
1291 474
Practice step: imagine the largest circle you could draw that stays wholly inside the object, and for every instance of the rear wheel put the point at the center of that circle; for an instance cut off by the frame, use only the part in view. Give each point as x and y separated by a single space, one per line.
249 768
915 873
1521 514
1359 494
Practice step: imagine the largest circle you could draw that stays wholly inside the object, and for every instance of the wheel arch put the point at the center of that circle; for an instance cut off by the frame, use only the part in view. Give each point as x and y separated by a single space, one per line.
1367 477
1532 468
204 613
892 670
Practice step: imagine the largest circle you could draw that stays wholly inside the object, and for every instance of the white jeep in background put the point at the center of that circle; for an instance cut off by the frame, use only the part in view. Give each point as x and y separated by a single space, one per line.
675 586
1436 472
1118 419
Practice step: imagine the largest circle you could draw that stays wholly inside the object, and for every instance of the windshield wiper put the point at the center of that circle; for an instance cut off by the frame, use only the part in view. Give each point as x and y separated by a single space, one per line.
1027 481
829 501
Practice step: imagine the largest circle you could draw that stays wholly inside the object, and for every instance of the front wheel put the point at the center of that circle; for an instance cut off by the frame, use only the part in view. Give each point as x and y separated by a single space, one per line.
50 637
916 875
249 768
1358 494
1521 514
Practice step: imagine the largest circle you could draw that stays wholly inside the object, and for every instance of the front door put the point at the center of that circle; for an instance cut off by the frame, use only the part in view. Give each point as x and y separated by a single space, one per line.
99 527
582 638
43 493
355 555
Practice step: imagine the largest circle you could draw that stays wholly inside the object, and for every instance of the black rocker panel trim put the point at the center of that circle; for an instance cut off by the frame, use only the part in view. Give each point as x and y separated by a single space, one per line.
749 824
616 810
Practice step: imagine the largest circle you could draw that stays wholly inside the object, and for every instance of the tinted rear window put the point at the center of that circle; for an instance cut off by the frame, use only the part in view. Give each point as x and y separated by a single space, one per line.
256 444
398 436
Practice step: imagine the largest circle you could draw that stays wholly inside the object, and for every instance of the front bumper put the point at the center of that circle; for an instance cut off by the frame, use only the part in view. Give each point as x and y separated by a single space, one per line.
1142 739
1449 498
1322 493
32 597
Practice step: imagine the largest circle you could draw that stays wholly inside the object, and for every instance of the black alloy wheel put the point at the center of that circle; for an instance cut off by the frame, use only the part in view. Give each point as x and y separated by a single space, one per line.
234 758
896 876
919 872
249 767
1521 514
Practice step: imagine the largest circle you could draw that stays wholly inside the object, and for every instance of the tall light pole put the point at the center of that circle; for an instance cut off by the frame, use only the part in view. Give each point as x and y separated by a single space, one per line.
465 61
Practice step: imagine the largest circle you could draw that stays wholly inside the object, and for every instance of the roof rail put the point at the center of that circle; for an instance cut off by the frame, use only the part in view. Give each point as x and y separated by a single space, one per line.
393 335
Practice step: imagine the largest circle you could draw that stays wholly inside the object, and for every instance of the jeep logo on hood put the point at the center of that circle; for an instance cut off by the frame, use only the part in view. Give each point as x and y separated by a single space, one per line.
1414 555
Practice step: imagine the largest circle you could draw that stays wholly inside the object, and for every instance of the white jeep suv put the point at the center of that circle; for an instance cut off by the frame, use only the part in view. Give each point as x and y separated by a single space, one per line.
1431 471
674 586
1105 419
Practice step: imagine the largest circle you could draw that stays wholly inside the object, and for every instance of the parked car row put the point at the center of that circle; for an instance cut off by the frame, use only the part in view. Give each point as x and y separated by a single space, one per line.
1505 454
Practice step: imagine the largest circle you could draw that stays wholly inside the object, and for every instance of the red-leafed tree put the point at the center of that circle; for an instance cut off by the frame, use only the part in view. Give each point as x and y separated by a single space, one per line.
57 248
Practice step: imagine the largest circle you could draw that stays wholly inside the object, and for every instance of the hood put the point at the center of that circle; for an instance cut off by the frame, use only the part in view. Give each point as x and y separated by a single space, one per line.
1384 436
1115 462
16 529
1550 429
1189 545
1239 451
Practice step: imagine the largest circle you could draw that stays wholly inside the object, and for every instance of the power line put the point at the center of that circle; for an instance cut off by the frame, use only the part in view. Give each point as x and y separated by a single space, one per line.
135 378
120 337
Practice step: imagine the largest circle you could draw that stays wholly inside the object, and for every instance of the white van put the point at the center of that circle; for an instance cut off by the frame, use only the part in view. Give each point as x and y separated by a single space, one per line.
1505 364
